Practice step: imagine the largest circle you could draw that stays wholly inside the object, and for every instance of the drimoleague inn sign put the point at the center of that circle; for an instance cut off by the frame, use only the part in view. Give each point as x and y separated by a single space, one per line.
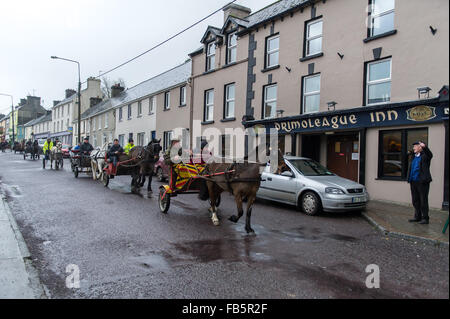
392 115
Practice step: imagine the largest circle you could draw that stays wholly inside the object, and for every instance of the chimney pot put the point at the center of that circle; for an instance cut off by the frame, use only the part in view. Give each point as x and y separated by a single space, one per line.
236 10
116 90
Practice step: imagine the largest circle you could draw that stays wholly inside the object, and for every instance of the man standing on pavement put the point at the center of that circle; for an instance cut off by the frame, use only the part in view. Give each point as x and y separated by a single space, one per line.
419 177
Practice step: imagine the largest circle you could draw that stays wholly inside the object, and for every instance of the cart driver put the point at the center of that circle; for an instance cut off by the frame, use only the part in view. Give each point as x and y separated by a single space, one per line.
86 148
114 152
48 145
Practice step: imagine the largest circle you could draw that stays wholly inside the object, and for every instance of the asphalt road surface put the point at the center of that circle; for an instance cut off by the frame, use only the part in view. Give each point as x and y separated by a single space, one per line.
125 248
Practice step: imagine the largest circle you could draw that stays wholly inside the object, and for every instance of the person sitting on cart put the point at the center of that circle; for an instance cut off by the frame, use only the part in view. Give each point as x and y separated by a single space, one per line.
86 148
48 145
114 152
129 146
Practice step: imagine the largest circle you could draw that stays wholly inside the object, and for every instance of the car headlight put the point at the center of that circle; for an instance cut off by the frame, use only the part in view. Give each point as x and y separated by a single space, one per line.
334 191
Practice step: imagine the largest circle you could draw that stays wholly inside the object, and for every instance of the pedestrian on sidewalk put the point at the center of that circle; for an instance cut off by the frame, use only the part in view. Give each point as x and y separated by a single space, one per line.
419 177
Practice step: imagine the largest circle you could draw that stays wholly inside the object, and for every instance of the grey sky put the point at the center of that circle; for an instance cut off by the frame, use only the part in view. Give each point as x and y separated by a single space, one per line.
100 34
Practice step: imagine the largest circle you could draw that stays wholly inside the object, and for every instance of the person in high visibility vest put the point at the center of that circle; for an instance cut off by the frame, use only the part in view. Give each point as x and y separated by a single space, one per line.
48 145
129 146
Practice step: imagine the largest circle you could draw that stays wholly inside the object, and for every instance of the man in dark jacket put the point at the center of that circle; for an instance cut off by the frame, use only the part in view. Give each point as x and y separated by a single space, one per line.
115 151
86 148
419 177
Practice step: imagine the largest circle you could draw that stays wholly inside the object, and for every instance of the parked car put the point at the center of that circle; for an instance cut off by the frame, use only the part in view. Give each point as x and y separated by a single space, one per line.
66 150
312 188
161 170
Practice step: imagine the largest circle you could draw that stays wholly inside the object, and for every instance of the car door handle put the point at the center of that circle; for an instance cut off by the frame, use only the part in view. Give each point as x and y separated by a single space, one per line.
269 179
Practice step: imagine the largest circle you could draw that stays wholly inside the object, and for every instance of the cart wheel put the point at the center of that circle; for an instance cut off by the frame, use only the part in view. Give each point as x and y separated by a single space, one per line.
75 172
43 163
218 200
105 179
164 204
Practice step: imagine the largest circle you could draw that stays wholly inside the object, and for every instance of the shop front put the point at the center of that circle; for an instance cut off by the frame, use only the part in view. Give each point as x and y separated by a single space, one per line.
370 144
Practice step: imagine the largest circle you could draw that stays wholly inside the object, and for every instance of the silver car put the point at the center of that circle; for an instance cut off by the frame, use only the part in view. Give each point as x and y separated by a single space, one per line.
311 187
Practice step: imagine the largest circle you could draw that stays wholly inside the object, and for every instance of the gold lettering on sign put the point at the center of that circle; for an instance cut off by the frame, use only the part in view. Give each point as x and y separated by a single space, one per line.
335 121
381 117
392 115
421 113
277 126
353 119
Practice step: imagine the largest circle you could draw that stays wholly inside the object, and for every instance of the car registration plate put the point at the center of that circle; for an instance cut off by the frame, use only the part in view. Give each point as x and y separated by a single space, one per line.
359 200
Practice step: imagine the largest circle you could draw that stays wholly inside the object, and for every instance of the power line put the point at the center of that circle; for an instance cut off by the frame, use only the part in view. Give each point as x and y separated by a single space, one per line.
165 41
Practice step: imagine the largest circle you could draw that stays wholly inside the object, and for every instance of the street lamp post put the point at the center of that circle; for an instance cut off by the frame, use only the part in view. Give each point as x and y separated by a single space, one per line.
79 94
12 114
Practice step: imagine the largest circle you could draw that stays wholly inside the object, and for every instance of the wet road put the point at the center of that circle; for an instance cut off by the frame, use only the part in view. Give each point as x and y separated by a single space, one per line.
125 248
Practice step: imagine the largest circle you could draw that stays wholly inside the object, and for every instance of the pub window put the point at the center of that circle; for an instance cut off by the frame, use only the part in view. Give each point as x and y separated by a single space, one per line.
210 57
270 101
381 17
313 38
231 48
378 82
311 94
394 149
272 51
209 106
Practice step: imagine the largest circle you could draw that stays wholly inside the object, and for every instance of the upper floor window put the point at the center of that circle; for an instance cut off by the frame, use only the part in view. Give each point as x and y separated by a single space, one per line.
311 94
139 108
106 120
381 16
232 48
211 56
270 101
209 106
229 100
120 114
183 95
272 51
378 82
152 105
129 111
100 122
94 124
314 37
167 100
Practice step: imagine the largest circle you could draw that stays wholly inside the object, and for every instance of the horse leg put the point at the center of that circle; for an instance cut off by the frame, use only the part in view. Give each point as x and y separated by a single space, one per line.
213 209
238 199
250 202
149 187
94 170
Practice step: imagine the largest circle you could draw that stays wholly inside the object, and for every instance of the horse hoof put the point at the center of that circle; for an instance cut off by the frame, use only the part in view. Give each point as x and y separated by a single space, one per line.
149 194
249 231
233 219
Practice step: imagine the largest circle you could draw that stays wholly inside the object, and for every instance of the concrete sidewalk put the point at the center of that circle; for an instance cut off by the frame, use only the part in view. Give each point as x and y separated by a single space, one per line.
15 282
392 220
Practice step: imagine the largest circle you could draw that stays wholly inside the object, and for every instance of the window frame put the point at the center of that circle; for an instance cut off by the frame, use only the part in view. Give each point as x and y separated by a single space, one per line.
206 105
372 17
263 113
152 105
139 109
106 119
120 114
304 94
130 111
166 100
267 53
183 95
227 100
167 140
307 39
368 83
404 152
209 65
230 48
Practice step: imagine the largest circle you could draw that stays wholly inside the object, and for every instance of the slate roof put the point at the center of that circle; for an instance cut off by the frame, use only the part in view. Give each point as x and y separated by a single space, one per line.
67 100
272 11
99 108
44 118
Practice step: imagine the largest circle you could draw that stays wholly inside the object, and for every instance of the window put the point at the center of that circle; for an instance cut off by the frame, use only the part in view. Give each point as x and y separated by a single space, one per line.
139 108
54 127
100 122
381 17
140 139
229 101
311 94
129 112
209 106
168 136
270 101
104 141
67 123
121 114
314 37
106 120
153 134
232 48
211 57
167 100
378 87
152 105
94 124
83 127
121 139
393 151
272 51
183 95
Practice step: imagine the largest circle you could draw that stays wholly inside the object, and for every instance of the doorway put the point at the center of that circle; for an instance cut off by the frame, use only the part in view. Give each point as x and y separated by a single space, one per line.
343 155
311 147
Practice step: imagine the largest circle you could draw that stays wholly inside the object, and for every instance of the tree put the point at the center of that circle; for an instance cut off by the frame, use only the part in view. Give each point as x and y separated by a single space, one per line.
107 83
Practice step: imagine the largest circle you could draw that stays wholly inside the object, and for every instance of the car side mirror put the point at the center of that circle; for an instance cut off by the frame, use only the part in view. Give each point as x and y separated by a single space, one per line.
287 174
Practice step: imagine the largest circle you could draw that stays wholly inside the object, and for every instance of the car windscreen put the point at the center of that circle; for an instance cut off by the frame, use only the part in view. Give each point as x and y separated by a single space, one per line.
310 168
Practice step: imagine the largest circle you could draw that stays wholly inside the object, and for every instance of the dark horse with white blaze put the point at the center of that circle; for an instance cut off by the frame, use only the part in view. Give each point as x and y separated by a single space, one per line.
145 159
242 180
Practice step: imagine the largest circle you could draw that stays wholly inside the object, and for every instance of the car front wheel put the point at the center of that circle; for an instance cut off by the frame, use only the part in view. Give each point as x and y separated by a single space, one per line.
310 204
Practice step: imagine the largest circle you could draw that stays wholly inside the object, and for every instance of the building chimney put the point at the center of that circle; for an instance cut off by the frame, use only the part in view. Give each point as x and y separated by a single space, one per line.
55 103
93 83
70 92
236 11
116 90
23 102
94 101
